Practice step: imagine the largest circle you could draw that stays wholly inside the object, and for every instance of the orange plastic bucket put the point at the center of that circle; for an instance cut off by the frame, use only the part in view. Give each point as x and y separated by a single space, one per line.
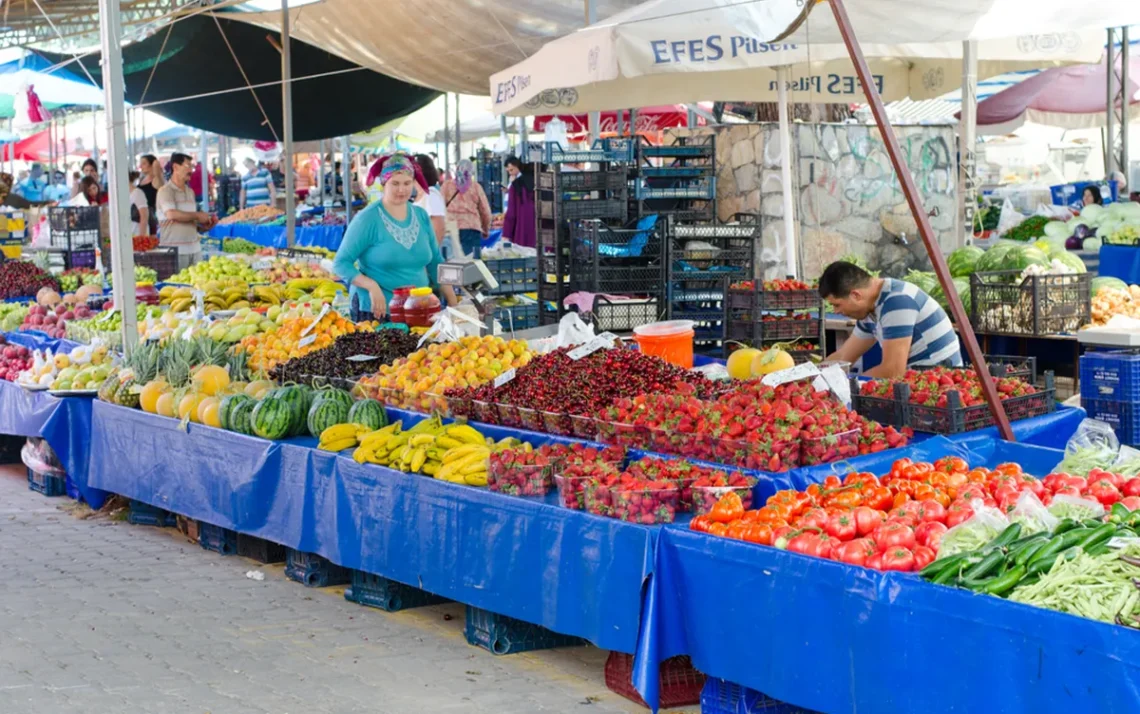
672 341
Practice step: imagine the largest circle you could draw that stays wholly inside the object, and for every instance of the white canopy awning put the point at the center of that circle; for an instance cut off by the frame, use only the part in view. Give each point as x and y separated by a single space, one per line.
681 51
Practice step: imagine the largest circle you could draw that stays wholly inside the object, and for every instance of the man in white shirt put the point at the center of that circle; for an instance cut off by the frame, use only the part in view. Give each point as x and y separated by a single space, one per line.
178 214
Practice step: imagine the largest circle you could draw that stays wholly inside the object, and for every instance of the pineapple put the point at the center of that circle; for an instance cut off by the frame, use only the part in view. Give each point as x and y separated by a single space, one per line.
109 387
238 366
211 352
177 363
142 368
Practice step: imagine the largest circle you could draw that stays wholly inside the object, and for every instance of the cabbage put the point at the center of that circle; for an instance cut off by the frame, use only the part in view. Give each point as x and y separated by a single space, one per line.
1093 213
1058 230
1129 211
1071 260
1100 283
1091 244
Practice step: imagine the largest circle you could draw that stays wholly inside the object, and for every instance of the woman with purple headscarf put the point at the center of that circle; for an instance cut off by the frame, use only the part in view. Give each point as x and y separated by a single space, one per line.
518 223
467 204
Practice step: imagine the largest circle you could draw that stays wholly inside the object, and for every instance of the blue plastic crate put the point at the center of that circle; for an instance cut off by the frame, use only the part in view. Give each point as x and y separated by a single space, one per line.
47 484
723 697
1111 375
390 595
499 634
311 570
144 514
1123 417
514 275
218 539
520 317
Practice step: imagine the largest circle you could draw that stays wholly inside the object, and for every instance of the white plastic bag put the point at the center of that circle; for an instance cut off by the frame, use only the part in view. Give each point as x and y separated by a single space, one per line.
1093 445
573 331
1032 514
449 325
1009 218
985 525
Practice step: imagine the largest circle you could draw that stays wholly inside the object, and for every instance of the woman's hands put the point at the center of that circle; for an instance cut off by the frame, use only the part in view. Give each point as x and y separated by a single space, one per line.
379 304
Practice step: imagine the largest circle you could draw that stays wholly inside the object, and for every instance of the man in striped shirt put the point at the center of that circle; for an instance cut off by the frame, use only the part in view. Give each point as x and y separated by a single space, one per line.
257 186
912 328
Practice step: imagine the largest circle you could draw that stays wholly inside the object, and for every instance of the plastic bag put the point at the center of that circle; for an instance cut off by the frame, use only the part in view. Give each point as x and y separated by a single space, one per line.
449 325
1075 507
573 331
1127 462
1010 218
40 457
1032 514
985 525
714 371
1093 445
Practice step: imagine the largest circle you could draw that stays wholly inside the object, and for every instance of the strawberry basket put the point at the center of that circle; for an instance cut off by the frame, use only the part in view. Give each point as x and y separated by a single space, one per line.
828 448
647 504
530 419
506 475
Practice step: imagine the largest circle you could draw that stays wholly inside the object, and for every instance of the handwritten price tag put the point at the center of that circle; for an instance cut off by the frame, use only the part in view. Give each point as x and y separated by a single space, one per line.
792 374
199 301
306 341
361 358
262 264
602 341
313 324
505 377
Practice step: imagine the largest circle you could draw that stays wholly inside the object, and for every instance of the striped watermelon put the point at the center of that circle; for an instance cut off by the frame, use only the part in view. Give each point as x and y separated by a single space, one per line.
333 393
369 413
227 407
296 398
239 417
272 418
324 413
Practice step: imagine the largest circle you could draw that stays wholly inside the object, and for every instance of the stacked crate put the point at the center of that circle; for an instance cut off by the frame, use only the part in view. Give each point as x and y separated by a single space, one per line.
678 180
761 318
703 261
1110 391
515 276
489 174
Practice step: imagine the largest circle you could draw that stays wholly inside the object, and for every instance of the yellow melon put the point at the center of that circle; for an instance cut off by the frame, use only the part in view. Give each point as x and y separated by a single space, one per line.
258 388
148 398
203 404
740 363
771 360
188 406
211 379
208 412
165 405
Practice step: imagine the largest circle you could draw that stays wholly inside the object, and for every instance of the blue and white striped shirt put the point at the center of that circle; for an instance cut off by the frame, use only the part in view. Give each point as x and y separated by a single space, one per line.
256 187
903 310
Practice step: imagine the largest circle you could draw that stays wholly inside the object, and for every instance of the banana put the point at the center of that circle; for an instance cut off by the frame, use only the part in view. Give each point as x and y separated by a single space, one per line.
422 440
182 293
474 467
476 479
339 432
239 304
340 445
181 304
459 453
418 459
362 454
465 434
448 442
431 468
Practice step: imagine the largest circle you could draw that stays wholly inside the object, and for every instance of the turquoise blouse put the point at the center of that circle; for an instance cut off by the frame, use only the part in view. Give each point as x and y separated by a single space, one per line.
370 247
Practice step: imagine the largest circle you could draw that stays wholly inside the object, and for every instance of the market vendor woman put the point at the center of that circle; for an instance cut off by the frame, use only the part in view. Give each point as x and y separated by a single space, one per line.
390 244
913 330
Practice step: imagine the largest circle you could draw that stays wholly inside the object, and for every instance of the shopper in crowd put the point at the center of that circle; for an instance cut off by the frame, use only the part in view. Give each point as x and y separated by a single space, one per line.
432 200
257 186
7 198
140 211
911 327
90 170
89 192
390 243
58 191
1121 182
467 203
518 221
33 187
1091 196
150 180
178 214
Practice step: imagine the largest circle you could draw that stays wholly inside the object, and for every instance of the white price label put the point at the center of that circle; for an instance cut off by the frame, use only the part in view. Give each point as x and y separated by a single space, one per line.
313 324
262 264
505 377
361 358
107 314
602 341
306 341
806 370
836 380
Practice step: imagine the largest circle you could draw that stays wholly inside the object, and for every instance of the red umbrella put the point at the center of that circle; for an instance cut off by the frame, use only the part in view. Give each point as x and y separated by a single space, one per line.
37 147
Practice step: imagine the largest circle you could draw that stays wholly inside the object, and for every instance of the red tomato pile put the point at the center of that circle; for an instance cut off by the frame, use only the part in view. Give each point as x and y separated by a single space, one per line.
930 387
145 243
891 523
1100 485
752 426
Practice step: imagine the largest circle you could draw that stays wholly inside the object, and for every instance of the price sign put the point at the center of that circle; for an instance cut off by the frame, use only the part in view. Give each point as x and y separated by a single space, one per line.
313 324
262 264
602 341
793 374
107 314
306 341
361 358
505 377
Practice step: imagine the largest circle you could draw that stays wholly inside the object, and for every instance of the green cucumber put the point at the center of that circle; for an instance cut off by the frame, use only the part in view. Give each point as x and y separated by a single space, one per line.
1004 583
983 568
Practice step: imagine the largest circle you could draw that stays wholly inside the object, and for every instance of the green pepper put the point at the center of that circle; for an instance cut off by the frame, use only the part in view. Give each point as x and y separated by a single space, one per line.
1001 585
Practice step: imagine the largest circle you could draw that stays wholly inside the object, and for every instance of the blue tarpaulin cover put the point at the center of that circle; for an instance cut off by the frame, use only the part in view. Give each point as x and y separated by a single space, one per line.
274 236
1120 261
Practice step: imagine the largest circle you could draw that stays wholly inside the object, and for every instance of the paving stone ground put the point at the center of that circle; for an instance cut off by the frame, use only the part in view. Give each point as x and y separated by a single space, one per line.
101 617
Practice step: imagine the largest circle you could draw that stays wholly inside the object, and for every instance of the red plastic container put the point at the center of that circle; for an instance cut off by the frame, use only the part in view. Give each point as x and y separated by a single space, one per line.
396 305
419 307
680 683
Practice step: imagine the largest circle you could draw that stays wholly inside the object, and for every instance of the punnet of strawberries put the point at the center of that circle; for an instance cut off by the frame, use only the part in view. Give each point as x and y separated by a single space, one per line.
752 426
893 522
519 472
931 387
574 479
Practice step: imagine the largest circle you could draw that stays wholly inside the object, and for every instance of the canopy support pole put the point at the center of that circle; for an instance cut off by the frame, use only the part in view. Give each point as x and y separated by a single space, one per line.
1110 128
321 173
446 132
122 247
205 159
968 138
524 141
595 118
633 123
786 173
1125 82
458 137
287 126
346 169
914 200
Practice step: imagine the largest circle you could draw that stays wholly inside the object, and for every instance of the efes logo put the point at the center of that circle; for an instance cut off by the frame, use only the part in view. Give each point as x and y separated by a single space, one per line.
592 59
1050 42
554 98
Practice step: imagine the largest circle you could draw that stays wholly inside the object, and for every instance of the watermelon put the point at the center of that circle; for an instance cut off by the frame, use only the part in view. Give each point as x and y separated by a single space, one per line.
325 412
297 400
272 417
239 417
333 393
227 406
924 280
1103 282
369 413
1070 260
991 260
963 260
1021 257
961 286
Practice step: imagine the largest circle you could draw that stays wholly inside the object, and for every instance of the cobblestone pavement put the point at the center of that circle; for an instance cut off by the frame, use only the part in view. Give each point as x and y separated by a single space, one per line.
101 617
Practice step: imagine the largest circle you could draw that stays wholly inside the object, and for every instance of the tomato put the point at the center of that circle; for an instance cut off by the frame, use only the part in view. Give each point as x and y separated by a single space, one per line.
780 536
1005 492
879 498
1068 491
813 518
958 513
900 499
1009 468
841 526
1051 482
758 533
728 508
875 561
848 498
856 552
898 558
832 482
892 535
717 529
1029 483
867 520
923 492
923 557
910 509
825 547
700 523
977 475
1077 482
925 531
971 492
861 480
1103 491
931 511
1115 479
956 480
1131 487
1132 503
900 464
736 529
803 542
952 464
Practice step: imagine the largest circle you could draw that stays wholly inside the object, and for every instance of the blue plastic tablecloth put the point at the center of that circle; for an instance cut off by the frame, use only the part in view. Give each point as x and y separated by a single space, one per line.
274 236
1120 261
220 231
36 340
835 638
569 571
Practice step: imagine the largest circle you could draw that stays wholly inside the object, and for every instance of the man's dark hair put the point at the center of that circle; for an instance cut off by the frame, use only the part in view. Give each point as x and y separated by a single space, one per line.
179 159
427 166
91 163
840 278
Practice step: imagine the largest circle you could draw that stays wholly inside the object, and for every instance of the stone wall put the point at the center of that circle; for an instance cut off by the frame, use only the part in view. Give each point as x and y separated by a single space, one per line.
848 198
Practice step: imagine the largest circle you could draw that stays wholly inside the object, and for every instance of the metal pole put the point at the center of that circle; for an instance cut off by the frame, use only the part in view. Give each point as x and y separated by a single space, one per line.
446 133
321 173
204 157
287 126
1110 107
524 140
891 143
122 247
633 122
594 117
1126 100
967 151
785 171
346 170
458 136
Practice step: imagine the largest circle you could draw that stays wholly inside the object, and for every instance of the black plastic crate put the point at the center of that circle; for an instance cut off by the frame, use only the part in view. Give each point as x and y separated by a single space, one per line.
615 180
218 539
514 275
313 571
752 299
501 635
74 226
259 549
10 447
786 329
1038 305
144 514
1010 366
702 189
573 210
386 594
623 315
594 241
619 280
48 484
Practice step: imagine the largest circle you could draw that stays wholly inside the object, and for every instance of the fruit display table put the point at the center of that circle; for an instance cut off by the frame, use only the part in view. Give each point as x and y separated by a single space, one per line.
832 637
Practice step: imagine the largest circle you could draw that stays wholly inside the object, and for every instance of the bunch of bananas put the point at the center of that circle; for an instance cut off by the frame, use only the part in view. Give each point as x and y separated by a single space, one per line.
269 295
342 436
215 296
456 453
315 288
